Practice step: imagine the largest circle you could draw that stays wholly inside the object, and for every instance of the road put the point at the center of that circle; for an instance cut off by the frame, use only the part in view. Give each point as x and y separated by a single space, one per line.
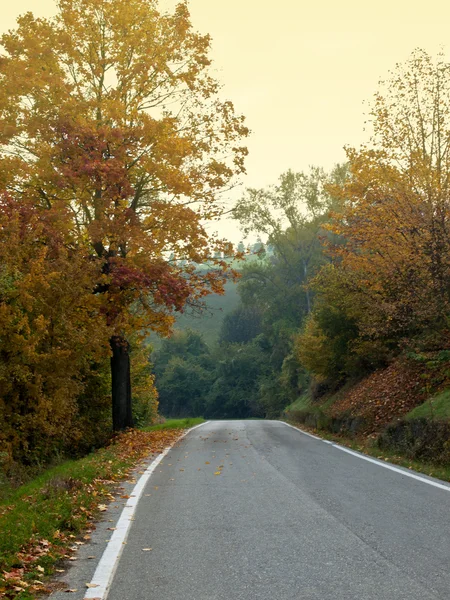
256 510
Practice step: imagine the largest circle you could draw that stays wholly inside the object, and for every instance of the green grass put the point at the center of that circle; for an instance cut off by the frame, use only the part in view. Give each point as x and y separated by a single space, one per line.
437 408
209 321
302 403
305 402
40 519
176 424
47 504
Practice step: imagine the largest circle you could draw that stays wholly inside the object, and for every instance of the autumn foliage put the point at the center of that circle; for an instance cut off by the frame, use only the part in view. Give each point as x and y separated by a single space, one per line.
114 144
387 289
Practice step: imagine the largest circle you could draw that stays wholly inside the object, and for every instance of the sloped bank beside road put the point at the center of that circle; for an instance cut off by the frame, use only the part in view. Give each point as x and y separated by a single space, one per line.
397 410
44 521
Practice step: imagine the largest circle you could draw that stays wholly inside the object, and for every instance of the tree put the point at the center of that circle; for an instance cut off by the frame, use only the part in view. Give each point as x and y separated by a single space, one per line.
234 392
388 289
291 215
241 325
109 112
51 349
184 372
395 210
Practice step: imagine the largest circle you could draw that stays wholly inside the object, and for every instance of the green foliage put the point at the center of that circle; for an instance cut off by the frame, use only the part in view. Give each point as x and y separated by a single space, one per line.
183 388
144 394
256 371
235 392
176 424
436 408
241 326
331 345
209 321
183 367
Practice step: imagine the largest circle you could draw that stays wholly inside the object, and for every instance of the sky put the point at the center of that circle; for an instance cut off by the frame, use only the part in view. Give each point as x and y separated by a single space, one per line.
300 71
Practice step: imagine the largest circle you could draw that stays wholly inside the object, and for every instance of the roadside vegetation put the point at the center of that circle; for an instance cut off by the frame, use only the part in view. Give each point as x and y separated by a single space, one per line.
342 323
43 521
175 424
111 163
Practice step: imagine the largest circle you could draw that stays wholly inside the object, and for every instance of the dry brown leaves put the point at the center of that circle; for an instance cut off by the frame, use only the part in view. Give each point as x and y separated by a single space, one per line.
131 447
384 395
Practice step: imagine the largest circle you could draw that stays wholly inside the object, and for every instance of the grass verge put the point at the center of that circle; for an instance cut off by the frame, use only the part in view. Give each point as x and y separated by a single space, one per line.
41 522
437 408
367 446
176 424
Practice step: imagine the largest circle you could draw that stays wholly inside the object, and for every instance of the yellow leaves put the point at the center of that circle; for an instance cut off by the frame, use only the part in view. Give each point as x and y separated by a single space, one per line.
109 187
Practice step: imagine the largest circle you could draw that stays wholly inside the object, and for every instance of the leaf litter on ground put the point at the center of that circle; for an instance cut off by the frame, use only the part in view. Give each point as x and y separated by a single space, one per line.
33 554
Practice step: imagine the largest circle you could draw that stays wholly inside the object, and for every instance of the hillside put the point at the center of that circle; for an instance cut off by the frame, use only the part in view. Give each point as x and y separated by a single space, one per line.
209 321
393 408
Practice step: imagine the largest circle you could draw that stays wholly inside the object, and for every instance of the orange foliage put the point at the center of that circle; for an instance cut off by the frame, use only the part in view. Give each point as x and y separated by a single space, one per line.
121 123
395 211
113 132
49 339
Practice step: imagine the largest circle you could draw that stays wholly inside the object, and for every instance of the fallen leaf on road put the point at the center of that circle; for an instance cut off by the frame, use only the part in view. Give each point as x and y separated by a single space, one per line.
217 473
92 585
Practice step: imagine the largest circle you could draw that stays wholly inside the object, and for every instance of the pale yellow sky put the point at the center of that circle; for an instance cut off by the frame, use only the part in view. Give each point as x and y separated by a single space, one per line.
300 71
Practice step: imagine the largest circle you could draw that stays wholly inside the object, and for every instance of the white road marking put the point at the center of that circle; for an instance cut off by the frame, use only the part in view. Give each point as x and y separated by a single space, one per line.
389 466
304 432
107 566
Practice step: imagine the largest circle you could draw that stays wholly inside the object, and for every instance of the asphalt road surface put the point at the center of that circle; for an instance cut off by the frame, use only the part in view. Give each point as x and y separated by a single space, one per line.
256 510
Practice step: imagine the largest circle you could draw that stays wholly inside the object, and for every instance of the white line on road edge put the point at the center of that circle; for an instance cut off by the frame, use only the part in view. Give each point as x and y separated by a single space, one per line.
304 432
107 566
389 466
442 486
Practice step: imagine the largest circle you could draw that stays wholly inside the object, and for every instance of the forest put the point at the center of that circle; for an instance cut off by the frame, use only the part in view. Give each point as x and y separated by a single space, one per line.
351 292
112 158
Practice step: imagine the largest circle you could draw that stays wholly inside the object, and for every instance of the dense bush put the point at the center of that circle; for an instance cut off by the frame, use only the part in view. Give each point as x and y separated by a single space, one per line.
420 439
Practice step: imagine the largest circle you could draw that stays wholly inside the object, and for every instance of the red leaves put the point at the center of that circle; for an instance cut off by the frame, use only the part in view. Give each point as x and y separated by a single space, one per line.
95 157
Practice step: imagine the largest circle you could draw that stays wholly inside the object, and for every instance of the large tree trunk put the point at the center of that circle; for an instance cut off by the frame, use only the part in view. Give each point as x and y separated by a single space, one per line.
121 384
